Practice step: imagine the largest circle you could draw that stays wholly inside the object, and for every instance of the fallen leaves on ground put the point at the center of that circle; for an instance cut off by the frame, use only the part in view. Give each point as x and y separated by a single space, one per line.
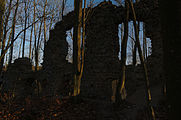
47 108
54 108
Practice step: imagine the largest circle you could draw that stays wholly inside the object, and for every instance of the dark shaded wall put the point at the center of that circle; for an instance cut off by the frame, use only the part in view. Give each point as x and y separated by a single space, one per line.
153 31
171 31
19 79
101 55
57 69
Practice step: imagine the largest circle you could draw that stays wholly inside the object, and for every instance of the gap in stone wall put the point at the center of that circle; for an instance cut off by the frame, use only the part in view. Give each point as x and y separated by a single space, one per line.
69 40
130 44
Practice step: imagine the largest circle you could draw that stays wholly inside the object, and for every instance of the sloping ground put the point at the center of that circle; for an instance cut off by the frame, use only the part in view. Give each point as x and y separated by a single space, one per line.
65 109
135 105
46 109
56 108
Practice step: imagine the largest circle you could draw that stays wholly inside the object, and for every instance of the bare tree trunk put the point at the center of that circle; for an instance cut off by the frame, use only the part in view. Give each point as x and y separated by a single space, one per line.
147 83
12 42
51 22
135 46
32 52
82 48
5 35
63 7
24 39
37 48
31 34
13 31
2 8
44 22
132 43
5 50
34 16
122 29
9 39
121 82
20 48
134 54
6 23
2 40
77 43
144 43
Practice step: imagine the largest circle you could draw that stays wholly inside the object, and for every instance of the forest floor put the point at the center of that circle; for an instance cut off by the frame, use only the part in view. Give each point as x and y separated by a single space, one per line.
55 108
135 106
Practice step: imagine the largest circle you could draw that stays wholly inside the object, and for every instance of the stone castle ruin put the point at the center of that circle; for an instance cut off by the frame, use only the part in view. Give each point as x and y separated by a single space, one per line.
19 79
102 65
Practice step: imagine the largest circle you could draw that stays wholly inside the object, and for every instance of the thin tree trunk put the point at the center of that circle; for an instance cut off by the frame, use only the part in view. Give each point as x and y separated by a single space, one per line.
63 7
144 43
77 43
83 47
12 42
6 24
10 34
121 82
2 51
44 22
132 43
20 44
51 21
5 35
37 48
32 52
122 29
147 83
20 48
35 32
2 8
31 34
135 46
24 39
5 50
134 54
13 31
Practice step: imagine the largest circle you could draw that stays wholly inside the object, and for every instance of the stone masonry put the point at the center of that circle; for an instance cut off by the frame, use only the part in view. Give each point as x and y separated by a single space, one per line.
19 79
58 70
101 56
102 47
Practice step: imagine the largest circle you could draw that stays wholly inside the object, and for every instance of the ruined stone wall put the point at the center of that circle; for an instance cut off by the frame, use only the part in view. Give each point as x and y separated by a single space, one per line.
154 33
19 79
102 47
101 55
58 70
155 61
